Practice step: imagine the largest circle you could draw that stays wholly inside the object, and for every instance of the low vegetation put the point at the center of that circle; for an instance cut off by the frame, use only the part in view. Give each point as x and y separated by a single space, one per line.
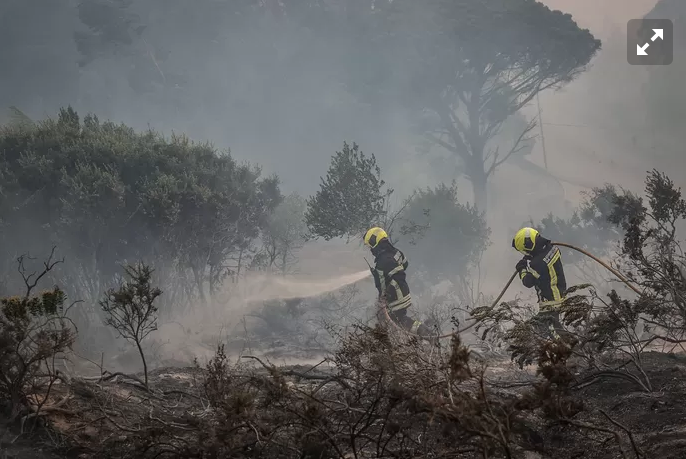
175 222
379 393
111 237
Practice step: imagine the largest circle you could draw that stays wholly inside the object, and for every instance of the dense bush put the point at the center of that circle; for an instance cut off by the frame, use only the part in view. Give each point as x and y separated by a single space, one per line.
443 238
387 395
453 235
106 195
351 198
589 227
595 325
34 332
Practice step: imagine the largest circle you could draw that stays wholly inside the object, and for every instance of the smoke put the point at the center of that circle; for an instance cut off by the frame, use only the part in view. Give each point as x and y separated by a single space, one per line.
284 288
266 91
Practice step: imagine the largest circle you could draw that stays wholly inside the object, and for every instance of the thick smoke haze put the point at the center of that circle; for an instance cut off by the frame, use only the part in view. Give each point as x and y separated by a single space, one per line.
290 115
273 91
301 229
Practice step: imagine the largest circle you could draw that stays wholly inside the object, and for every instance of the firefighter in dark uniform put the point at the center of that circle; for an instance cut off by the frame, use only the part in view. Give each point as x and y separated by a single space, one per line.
541 268
389 276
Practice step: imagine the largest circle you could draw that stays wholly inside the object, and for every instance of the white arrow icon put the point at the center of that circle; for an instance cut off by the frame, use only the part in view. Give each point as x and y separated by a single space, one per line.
659 33
641 51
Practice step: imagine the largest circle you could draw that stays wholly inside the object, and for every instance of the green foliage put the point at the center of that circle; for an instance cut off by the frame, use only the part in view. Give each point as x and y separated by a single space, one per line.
455 235
651 242
130 309
651 258
22 309
33 332
350 199
441 58
104 193
610 215
446 238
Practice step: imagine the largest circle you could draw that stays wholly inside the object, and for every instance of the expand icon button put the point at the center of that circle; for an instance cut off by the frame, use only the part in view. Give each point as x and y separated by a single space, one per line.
650 42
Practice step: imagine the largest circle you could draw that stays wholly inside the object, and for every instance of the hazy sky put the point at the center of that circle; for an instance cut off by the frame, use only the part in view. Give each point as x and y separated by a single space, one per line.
295 135
600 16
574 140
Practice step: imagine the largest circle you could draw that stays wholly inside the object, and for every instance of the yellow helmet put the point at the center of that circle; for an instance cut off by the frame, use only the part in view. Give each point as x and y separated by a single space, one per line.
373 236
525 240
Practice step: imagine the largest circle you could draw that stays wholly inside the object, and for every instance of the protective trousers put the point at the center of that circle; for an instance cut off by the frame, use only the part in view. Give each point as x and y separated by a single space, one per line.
547 323
406 322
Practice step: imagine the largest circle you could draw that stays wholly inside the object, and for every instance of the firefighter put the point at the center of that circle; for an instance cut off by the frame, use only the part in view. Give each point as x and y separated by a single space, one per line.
541 268
389 276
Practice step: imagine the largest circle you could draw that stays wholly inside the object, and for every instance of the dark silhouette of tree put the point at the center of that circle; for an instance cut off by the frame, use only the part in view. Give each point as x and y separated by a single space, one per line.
465 67
454 235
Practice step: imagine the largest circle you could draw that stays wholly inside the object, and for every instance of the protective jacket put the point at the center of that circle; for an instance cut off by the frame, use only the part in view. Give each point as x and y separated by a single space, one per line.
545 272
389 276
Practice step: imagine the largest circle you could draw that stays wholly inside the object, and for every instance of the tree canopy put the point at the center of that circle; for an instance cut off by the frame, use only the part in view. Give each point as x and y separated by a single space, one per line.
443 237
453 236
466 66
462 67
106 194
350 199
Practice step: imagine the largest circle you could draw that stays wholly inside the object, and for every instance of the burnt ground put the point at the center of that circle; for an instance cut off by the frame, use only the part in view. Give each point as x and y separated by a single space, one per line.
25 448
656 420
84 414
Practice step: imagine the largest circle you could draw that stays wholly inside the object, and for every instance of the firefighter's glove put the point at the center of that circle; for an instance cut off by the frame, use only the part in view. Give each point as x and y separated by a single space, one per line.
522 265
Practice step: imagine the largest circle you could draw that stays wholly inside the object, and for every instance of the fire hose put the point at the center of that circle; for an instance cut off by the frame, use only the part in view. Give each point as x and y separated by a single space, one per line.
619 275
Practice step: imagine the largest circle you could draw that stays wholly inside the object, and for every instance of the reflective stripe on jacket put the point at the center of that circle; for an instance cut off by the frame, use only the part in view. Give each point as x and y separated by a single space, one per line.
546 274
389 277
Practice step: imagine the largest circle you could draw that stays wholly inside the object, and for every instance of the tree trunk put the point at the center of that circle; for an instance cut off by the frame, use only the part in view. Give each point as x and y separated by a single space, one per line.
145 364
284 261
238 268
197 275
480 189
214 279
